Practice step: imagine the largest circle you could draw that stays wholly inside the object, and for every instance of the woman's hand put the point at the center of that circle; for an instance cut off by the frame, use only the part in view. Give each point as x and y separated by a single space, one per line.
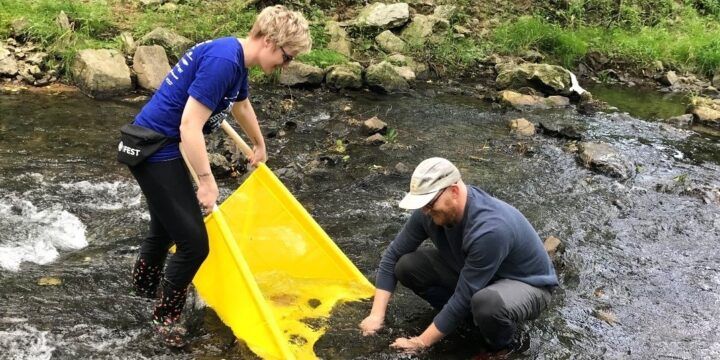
259 155
207 193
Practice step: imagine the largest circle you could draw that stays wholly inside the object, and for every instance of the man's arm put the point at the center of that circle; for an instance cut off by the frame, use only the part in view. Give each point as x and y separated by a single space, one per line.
482 261
408 240
376 319
244 114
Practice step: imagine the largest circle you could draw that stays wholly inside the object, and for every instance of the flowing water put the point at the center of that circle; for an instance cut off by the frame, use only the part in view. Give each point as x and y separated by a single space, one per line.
641 254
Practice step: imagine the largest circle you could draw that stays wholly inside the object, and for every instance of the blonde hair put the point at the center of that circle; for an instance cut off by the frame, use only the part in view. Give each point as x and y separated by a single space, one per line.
287 29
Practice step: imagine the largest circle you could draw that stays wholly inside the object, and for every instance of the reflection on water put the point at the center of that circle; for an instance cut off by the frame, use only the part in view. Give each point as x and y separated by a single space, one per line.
643 103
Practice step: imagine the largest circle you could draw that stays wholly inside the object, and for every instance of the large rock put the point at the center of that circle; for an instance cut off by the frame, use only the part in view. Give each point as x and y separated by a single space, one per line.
345 76
521 101
389 42
419 69
549 79
385 78
716 80
383 16
101 73
299 74
151 66
705 110
707 115
8 64
669 78
605 159
374 125
175 45
338 38
422 28
445 11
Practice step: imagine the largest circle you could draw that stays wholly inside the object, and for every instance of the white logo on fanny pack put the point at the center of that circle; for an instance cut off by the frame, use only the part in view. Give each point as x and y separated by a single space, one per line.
128 150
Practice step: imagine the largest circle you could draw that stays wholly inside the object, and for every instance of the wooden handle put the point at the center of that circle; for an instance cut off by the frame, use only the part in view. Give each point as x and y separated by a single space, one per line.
237 139
187 163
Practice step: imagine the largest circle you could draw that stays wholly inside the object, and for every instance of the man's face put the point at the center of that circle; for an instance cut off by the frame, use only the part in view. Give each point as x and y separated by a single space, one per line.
441 208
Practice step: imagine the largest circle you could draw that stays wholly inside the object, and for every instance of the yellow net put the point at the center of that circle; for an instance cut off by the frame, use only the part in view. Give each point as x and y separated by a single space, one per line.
272 270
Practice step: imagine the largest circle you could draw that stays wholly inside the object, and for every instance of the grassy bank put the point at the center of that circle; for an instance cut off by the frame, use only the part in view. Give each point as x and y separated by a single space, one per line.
684 35
687 41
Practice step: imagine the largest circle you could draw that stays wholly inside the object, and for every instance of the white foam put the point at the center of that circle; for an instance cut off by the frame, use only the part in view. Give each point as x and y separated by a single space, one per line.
25 342
105 195
36 235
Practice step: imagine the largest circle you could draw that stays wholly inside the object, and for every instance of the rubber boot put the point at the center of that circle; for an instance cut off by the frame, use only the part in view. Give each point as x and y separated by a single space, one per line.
146 277
166 315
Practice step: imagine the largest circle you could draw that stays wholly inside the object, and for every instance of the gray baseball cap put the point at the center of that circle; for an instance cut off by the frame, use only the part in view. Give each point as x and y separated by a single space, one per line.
429 177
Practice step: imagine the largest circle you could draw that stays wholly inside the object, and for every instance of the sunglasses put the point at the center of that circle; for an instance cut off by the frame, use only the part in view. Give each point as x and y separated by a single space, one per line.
432 202
286 58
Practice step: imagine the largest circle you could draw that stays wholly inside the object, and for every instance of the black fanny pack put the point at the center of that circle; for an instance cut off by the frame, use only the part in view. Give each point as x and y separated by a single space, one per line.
137 143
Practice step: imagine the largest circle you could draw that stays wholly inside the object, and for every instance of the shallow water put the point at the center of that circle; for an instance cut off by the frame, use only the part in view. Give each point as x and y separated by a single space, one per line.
643 249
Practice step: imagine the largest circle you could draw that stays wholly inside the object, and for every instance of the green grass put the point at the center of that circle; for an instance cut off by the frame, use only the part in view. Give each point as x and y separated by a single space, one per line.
683 34
92 19
209 20
692 43
323 58
449 53
93 26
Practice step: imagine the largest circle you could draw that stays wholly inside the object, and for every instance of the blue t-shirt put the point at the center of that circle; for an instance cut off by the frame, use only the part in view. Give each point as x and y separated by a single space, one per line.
214 73
493 241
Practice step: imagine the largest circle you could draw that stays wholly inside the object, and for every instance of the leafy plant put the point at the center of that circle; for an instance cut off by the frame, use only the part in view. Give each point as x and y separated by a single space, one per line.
681 179
391 135
340 146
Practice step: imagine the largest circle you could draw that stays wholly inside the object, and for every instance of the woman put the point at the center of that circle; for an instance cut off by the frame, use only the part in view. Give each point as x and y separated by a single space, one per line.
209 81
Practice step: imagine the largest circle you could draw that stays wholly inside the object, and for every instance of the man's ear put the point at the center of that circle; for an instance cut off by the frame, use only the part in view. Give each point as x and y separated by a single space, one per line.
455 188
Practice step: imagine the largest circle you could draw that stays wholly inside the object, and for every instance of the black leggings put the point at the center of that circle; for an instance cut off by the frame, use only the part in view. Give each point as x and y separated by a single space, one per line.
175 218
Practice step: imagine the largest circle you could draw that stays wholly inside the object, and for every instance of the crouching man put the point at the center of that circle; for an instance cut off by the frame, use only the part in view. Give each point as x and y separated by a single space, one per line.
487 262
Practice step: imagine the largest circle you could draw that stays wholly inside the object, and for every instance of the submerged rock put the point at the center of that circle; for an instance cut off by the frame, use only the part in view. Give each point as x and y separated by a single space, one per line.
561 129
606 159
374 125
522 101
522 127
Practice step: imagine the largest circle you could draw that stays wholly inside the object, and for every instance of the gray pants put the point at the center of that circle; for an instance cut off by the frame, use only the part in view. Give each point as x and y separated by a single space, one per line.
496 309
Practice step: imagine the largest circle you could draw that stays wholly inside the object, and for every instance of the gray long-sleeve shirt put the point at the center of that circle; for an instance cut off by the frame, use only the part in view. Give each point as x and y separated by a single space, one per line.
493 241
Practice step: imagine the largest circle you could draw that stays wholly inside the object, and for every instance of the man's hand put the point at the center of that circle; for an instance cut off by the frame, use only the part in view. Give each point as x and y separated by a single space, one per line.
371 324
411 345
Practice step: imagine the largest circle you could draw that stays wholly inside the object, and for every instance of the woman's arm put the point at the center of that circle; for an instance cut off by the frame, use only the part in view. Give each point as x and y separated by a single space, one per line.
194 117
245 116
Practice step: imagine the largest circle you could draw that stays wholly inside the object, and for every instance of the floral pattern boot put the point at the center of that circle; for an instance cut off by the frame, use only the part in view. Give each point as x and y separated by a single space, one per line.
166 316
146 278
